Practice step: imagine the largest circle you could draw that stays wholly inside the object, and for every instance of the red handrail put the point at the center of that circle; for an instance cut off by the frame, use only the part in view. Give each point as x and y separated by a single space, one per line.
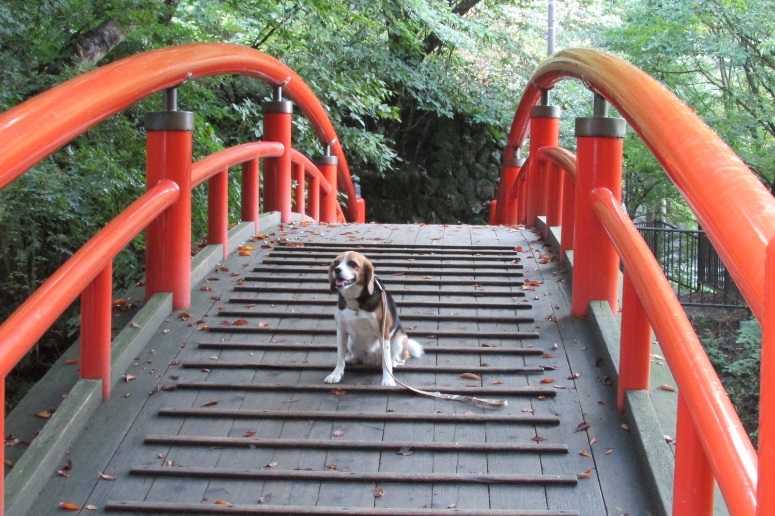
731 204
41 125
738 214
729 450
28 323
207 167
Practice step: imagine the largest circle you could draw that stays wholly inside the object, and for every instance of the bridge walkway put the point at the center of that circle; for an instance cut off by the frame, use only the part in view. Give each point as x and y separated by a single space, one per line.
226 410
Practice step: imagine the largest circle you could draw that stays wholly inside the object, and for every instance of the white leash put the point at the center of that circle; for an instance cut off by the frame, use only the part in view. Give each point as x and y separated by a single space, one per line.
479 402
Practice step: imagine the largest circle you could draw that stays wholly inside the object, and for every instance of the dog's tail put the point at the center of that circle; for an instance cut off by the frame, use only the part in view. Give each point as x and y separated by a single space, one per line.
414 348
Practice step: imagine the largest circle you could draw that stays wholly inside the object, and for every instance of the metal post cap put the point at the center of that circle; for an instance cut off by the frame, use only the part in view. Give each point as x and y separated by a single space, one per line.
604 127
327 160
540 111
277 106
169 121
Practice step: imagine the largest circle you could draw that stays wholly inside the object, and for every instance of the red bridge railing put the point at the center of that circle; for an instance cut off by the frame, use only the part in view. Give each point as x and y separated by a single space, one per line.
43 124
731 204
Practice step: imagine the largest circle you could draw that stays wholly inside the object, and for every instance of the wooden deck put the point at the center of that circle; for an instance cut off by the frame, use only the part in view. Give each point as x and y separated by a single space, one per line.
226 411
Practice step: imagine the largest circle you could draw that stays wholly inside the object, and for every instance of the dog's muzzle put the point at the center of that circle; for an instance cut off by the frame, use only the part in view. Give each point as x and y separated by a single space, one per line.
342 282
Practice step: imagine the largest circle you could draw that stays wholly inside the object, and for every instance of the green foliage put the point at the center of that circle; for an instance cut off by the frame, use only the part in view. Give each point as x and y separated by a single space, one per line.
738 367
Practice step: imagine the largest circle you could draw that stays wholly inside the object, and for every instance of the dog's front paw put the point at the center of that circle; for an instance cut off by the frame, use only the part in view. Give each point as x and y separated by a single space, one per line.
334 377
387 381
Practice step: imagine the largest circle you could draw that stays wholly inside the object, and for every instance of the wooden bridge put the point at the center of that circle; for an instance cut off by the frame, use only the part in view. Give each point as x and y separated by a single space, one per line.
224 409
201 391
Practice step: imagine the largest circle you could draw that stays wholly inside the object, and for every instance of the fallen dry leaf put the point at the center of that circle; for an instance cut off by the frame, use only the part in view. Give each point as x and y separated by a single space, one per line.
332 467
585 453
210 403
270 465
44 414
103 476
538 439
470 376
668 388
586 474
71 361
222 502
379 492
582 426
240 322
249 433
265 498
70 506
547 380
338 433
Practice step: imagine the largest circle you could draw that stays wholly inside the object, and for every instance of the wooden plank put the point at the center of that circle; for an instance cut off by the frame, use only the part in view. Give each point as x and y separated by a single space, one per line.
328 444
360 416
404 317
393 280
481 350
342 389
477 292
402 303
287 510
430 334
351 476
221 364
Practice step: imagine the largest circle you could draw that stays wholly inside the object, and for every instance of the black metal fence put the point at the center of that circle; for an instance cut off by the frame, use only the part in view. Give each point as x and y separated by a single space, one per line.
692 266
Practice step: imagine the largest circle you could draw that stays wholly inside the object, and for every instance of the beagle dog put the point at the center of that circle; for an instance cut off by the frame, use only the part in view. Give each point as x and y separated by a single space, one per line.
366 320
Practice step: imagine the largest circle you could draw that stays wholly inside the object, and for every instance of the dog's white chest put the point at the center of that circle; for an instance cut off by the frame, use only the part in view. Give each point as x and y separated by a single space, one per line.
360 325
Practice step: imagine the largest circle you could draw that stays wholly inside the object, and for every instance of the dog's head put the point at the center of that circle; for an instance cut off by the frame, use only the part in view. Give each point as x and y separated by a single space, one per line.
351 270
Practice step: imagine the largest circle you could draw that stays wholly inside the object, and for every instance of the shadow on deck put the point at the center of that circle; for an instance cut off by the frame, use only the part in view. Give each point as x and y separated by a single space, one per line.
225 410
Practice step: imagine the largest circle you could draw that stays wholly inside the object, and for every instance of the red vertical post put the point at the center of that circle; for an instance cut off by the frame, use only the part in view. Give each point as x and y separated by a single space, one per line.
511 169
298 176
521 193
314 197
544 131
2 448
765 495
250 192
494 212
168 238
599 164
635 345
277 171
693 482
554 197
360 202
328 167
96 318
568 214
218 210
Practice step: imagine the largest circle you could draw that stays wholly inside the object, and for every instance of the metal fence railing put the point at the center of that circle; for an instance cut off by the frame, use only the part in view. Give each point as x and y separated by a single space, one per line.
692 266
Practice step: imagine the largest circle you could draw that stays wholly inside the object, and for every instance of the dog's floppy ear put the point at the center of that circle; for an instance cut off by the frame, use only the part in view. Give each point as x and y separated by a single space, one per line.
368 277
331 280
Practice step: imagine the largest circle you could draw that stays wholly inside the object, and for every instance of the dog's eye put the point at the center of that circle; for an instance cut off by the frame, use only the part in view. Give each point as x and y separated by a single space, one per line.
352 264
336 262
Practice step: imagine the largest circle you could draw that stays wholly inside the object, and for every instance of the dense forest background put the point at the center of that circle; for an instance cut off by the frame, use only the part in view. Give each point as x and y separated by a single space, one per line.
421 92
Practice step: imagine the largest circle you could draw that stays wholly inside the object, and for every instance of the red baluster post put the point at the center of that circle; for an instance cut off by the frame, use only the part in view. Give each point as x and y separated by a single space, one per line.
555 194
511 169
168 238
568 213
314 197
96 319
544 131
765 495
328 167
635 344
693 483
250 192
277 171
599 164
218 210
298 176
